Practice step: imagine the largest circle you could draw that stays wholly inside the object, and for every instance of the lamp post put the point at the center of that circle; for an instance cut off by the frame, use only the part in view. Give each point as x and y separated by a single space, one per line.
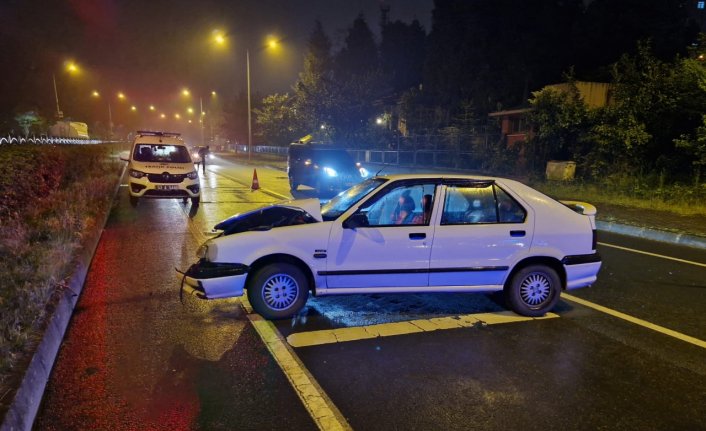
247 65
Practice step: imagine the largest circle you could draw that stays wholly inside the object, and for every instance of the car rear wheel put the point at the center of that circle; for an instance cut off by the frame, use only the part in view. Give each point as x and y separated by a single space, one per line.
533 290
133 200
278 291
293 184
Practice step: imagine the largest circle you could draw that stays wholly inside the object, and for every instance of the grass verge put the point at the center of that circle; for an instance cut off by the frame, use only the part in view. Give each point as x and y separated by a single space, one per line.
50 196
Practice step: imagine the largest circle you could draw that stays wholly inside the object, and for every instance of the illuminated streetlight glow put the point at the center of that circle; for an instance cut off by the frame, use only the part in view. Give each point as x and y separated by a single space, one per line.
71 67
95 93
177 116
272 42
185 92
219 38
162 116
133 108
213 93
121 95
152 108
190 110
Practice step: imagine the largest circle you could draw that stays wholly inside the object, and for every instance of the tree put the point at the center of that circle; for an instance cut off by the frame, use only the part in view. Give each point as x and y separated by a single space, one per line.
560 122
402 55
30 121
277 120
314 92
359 81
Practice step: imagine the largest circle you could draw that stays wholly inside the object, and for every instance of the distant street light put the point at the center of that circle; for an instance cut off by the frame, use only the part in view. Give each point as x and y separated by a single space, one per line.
121 95
152 108
272 42
185 92
71 67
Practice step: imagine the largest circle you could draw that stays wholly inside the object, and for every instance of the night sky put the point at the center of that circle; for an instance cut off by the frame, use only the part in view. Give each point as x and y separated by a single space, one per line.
150 49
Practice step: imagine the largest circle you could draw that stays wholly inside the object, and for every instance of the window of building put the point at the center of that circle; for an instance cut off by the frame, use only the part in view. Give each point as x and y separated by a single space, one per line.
700 5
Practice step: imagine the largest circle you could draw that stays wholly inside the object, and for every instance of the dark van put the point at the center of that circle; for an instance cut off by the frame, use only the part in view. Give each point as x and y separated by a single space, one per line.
323 167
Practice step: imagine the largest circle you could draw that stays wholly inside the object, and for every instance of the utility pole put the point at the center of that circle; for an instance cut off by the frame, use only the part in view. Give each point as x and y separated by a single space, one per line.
247 63
59 114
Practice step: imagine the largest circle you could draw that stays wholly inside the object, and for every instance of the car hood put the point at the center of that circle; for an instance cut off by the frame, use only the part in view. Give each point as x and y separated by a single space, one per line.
280 214
310 205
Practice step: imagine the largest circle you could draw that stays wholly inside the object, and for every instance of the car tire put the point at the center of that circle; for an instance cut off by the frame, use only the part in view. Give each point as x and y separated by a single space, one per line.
278 291
533 290
134 200
293 184
196 201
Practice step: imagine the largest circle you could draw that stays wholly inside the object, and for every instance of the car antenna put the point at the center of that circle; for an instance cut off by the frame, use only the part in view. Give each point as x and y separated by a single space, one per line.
381 169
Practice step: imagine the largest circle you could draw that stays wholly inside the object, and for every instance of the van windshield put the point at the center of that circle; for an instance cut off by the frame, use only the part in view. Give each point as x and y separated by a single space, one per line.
161 153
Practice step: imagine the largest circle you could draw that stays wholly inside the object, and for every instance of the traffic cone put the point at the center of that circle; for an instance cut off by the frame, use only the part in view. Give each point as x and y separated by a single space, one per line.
255 182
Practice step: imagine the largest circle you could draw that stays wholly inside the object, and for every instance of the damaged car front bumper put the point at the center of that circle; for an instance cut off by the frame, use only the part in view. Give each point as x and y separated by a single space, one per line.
212 280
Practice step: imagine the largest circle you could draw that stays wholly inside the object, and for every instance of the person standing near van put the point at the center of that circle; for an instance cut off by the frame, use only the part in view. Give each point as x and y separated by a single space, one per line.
203 154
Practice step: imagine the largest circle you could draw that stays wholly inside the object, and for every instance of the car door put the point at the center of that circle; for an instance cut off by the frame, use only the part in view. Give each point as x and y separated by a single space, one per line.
392 248
482 232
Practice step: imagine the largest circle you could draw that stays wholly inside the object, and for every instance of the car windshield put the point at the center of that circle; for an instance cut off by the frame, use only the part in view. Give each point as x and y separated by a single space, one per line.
344 200
161 153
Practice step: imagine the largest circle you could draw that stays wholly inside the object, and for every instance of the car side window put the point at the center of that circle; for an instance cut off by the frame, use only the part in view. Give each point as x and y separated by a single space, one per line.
509 211
403 205
472 204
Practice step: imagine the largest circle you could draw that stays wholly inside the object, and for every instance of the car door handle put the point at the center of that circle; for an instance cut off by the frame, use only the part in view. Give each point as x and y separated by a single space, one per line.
417 235
517 233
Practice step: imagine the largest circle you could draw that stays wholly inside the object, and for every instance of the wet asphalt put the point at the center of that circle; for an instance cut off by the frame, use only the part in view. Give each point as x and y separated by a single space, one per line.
136 357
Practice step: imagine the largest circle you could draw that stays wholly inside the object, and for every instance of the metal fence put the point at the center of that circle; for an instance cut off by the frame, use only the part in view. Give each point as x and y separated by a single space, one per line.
459 152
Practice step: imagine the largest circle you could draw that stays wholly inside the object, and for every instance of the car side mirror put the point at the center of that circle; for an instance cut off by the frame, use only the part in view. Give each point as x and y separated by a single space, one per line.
355 221
124 159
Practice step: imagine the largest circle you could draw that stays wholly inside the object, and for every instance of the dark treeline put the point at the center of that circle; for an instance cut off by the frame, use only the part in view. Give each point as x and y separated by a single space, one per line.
479 56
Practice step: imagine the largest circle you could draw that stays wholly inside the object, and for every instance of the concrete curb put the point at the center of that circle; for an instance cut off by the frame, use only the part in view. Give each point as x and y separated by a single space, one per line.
25 404
653 234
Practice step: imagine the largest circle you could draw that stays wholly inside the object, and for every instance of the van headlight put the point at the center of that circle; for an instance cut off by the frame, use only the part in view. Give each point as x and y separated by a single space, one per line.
192 175
136 174
330 172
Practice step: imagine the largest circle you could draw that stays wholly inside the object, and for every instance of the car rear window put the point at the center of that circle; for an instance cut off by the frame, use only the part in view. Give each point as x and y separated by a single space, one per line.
161 153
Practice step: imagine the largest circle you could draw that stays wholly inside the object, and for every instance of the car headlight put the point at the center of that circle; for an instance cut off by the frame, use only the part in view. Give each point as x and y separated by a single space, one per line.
195 156
363 172
211 156
136 174
330 172
202 252
192 175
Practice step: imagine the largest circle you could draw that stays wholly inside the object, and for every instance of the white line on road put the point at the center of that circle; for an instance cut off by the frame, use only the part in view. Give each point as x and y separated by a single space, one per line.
318 404
690 262
635 320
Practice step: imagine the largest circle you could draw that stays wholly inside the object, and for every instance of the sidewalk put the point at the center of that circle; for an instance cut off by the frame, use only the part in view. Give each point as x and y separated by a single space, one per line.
656 225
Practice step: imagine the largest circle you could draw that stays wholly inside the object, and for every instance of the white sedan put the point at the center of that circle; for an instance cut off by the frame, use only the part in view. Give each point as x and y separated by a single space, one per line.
399 234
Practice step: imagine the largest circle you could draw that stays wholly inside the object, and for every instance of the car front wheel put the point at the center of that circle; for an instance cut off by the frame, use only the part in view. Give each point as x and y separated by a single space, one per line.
278 291
533 290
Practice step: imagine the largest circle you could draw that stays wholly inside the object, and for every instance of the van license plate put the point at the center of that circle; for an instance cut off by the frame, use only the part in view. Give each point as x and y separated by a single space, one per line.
161 187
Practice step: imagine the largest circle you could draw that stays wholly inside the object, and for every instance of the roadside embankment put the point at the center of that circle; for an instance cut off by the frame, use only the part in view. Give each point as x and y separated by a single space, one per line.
53 204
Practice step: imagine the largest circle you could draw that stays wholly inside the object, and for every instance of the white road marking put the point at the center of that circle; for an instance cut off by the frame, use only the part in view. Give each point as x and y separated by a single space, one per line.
690 262
353 333
318 404
635 320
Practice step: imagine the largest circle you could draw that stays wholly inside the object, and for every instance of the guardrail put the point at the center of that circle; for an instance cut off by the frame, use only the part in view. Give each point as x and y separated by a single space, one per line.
47 140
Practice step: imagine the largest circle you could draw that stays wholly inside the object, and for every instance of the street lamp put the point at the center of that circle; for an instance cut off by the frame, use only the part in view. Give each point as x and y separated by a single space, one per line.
70 67
219 38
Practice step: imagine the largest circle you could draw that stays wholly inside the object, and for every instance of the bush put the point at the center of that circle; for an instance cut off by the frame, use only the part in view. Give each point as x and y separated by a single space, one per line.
50 196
